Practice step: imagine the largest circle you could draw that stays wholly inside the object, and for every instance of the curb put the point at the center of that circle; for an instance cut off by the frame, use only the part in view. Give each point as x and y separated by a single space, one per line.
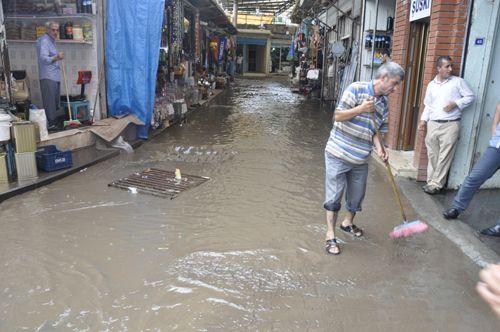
457 231
431 212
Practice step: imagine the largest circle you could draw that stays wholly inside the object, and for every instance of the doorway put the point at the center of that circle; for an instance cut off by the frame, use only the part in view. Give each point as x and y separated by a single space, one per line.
252 57
412 96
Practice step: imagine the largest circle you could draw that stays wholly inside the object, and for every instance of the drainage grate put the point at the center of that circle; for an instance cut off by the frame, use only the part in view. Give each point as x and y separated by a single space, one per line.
159 183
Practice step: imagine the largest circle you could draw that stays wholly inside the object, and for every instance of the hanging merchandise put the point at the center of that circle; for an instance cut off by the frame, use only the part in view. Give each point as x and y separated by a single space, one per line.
338 49
213 45
291 55
222 47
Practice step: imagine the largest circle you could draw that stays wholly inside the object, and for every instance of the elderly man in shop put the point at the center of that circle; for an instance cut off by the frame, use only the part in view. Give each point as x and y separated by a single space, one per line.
445 98
350 144
49 72
195 92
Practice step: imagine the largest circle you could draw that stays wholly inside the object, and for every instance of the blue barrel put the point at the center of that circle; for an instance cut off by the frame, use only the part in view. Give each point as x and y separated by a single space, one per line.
231 68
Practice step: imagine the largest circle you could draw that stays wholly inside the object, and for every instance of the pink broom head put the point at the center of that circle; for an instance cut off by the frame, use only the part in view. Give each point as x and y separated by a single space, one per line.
408 229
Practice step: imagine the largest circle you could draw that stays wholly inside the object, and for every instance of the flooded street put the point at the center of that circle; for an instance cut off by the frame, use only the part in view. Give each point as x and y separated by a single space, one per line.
242 252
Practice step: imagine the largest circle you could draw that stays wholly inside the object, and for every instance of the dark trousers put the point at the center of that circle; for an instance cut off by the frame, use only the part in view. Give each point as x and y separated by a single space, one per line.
51 97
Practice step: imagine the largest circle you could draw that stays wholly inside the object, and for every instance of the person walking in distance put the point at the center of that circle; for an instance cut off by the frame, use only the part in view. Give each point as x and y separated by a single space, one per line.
350 144
239 62
445 98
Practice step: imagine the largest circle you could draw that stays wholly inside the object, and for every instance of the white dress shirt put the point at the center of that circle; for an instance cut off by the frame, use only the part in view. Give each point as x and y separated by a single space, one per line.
331 70
438 95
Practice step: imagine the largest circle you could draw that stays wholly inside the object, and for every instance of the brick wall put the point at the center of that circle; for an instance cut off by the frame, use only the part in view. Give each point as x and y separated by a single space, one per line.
446 37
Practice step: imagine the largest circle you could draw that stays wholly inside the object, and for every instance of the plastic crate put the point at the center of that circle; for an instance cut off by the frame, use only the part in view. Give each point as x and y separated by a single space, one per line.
49 158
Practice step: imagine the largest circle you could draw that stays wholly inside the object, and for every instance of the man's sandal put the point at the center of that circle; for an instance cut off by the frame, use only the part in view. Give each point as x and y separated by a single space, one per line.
330 244
353 229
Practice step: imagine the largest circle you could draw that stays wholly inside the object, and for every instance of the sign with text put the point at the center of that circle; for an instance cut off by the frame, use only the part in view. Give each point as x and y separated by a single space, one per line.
420 9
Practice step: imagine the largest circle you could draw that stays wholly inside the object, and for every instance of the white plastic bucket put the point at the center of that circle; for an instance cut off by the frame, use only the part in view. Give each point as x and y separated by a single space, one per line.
5 127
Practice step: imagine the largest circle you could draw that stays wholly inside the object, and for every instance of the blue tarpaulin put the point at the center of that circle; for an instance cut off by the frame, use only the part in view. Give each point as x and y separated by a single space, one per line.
132 52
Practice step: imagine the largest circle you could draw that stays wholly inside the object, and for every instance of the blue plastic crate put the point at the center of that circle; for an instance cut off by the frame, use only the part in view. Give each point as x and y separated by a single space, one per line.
49 158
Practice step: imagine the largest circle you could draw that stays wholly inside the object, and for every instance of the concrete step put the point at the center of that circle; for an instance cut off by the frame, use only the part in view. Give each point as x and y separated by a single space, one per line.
401 163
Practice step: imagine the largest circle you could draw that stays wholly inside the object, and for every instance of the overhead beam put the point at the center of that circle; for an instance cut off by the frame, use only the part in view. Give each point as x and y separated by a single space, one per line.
346 15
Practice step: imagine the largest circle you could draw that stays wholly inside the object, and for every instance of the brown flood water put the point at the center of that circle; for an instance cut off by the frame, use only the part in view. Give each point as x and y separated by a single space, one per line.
242 252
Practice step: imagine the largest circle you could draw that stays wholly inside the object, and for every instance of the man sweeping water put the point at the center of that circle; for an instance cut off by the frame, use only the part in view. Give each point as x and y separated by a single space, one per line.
350 144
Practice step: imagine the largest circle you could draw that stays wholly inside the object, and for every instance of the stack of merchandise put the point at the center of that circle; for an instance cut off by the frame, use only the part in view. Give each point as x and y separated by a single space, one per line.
13 30
29 32
40 31
22 7
24 139
164 106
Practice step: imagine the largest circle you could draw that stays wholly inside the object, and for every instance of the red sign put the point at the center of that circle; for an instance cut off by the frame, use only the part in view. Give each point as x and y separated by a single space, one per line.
84 77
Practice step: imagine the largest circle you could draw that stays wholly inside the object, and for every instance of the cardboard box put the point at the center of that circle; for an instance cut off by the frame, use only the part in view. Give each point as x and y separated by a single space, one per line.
23 83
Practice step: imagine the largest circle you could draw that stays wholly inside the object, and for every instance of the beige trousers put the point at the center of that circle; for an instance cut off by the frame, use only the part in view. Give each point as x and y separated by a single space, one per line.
441 142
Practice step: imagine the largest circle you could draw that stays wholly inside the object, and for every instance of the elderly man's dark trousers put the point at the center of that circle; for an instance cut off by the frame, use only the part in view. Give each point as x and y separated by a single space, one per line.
51 97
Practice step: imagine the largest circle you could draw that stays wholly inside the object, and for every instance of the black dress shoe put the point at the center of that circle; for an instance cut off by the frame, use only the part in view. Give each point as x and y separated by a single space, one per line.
492 231
451 213
431 190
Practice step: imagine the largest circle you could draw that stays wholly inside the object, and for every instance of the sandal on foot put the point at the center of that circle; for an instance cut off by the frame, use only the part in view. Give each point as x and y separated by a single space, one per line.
353 229
330 244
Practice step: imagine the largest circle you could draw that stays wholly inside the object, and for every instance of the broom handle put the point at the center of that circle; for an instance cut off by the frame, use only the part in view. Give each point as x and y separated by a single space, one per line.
98 86
67 94
389 168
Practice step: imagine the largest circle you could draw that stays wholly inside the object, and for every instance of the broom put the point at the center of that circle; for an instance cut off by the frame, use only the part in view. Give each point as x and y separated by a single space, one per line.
71 122
408 228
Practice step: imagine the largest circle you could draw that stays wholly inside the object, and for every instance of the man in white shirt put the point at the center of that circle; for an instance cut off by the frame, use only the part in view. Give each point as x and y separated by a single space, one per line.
385 56
195 92
445 98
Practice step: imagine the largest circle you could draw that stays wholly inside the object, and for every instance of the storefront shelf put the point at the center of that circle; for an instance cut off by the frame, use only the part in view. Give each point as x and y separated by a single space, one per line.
69 41
65 16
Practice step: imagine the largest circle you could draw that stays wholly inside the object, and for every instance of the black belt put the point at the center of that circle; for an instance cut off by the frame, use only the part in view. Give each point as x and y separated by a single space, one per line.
445 121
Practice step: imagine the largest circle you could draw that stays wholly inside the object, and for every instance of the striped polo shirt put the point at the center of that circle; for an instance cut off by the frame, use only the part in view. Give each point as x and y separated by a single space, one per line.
352 141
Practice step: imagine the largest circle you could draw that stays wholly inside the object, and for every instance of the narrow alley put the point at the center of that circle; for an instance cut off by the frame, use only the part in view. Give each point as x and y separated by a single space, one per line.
244 251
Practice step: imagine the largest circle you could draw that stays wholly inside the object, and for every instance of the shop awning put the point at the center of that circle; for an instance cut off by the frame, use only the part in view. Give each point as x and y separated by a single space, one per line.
212 11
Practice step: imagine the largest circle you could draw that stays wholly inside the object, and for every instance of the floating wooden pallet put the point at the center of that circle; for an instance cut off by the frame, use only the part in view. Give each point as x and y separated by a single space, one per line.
159 183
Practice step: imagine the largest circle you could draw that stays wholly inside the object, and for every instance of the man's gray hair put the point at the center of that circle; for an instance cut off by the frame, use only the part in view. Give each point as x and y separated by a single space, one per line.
49 24
391 69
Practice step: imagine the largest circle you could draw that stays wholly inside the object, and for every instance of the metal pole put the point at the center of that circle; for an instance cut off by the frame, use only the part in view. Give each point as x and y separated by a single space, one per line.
5 57
280 58
235 14
373 43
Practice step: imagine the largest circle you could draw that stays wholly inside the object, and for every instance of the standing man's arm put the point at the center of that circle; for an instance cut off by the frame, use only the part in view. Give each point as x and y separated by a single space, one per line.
467 97
426 114
496 120
45 57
